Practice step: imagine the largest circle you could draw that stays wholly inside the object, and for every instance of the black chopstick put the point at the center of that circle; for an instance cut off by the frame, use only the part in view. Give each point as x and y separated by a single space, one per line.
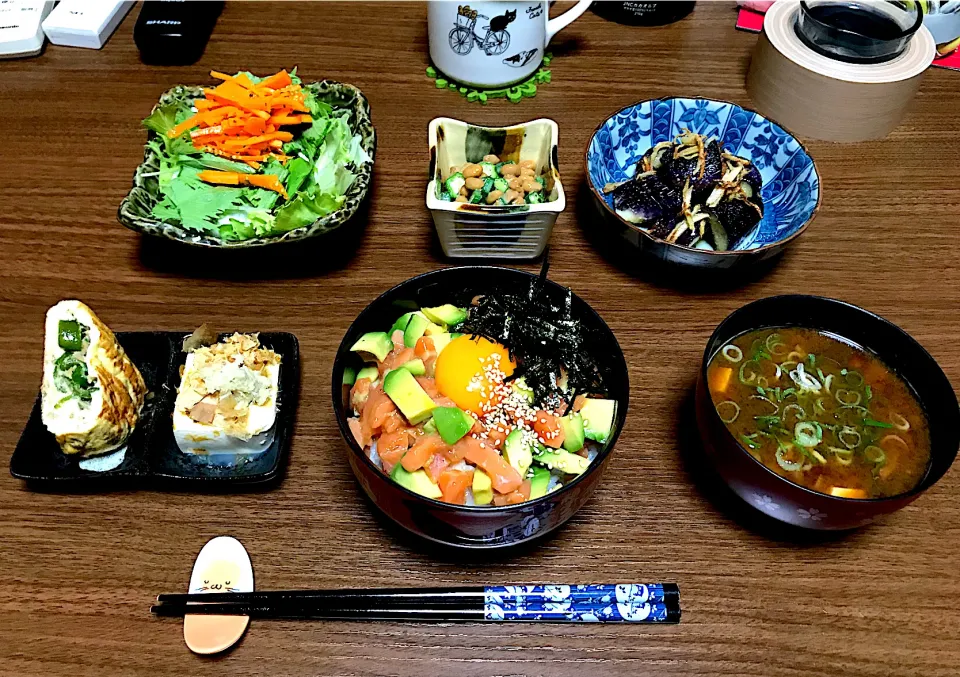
636 603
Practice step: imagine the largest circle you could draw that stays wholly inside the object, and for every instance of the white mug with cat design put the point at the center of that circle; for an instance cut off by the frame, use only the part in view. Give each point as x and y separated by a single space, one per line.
493 44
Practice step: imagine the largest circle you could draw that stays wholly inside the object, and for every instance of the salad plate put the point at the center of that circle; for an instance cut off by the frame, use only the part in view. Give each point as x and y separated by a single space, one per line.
336 148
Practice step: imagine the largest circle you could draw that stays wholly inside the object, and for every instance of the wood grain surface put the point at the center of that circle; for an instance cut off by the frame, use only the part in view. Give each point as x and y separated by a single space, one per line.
78 571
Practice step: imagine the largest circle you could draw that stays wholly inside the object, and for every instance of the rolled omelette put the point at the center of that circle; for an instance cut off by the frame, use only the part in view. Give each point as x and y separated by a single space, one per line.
92 394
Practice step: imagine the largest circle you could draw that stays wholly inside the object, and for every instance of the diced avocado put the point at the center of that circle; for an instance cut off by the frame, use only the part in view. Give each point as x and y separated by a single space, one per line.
430 427
517 452
454 183
452 423
598 418
373 346
402 322
572 425
370 372
418 481
520 386
349 376
415 328
412 401
482 488
441 341
415 367
563 461
446 314
489 169
539 483
501 185
435 329
455 335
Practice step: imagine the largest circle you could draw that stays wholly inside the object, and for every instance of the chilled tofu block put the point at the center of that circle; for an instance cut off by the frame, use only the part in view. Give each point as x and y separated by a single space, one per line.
227 400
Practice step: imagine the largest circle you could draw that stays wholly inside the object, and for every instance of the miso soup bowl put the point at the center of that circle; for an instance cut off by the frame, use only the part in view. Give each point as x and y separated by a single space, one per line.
783 499
459 526
791 183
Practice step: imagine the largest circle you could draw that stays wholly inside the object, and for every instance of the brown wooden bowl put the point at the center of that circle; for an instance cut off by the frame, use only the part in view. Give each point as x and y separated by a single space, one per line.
783 499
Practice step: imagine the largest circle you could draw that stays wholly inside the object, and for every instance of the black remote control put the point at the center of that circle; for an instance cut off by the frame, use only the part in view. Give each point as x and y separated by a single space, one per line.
175 32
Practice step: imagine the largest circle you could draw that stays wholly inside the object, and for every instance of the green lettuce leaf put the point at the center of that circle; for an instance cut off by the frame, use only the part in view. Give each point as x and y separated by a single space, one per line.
304 210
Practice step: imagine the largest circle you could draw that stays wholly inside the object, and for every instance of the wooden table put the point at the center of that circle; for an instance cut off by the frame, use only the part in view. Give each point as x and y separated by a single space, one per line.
77 572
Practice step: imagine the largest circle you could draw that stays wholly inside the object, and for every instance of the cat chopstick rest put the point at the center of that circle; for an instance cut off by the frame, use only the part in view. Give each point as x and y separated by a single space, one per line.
222 566
492 44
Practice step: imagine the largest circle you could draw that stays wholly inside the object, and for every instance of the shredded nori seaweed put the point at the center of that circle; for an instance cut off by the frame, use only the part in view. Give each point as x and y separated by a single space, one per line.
543 338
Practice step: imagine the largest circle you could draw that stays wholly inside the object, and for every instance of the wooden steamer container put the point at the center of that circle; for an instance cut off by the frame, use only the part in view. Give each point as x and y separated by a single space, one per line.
822 98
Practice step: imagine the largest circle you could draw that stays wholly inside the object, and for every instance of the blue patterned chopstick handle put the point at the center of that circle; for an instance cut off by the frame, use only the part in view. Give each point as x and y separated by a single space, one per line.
605 603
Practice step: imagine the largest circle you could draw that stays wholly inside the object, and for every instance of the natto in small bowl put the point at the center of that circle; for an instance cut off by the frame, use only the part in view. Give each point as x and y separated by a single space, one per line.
791 184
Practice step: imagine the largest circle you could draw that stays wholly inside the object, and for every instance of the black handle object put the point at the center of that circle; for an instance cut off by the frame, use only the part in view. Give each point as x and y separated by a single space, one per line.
603 603
175 32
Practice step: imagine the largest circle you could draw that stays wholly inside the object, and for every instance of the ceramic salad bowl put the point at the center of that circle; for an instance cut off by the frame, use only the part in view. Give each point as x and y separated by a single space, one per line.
791 185
135 210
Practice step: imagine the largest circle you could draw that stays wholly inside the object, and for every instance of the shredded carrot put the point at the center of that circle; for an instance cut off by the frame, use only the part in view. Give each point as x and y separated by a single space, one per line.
241 120
268 181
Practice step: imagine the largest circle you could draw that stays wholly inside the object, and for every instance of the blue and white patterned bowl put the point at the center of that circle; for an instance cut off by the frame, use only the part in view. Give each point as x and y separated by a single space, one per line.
791 184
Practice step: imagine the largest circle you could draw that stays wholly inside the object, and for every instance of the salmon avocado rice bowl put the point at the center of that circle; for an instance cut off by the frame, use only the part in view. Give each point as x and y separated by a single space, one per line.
492 403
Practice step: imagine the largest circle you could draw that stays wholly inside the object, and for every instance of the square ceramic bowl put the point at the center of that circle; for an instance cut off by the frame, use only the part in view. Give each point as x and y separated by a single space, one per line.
494 231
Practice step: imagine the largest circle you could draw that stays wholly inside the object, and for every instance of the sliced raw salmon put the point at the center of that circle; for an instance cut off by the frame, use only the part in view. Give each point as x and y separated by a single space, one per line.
359 393
422 450
504 477
436 465
392 447
547 427
454 484
519 496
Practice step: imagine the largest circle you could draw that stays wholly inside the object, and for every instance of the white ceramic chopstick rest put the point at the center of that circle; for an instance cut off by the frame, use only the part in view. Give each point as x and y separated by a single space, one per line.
223 565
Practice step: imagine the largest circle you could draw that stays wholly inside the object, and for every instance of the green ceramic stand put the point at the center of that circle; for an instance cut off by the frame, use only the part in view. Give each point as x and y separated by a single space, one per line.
513 93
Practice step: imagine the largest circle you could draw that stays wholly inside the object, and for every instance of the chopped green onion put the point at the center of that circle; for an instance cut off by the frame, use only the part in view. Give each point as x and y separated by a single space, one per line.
732 353
751 440
842 456
874 454
848 398
813 359
733 415
869 391
849 437
784 463
899 422
877 424
753 377
854 379
808 433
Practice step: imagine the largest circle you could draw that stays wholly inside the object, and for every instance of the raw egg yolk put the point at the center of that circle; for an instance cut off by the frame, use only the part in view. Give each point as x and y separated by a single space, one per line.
469 370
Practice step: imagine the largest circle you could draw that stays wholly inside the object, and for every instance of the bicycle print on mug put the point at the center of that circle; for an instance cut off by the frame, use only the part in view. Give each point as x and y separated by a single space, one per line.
464 35
492 44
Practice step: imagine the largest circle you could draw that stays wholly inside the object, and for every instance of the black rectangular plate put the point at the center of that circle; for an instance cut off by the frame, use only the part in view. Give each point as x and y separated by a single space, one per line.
153 457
